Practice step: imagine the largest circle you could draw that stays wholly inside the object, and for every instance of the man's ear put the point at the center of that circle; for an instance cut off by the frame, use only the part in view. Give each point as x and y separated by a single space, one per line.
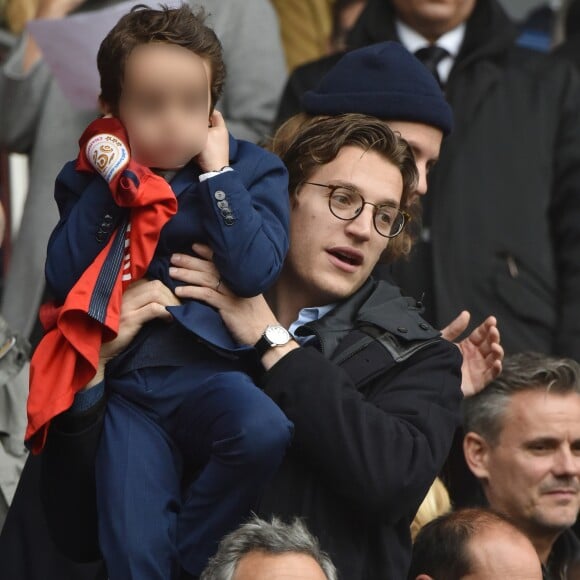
476 452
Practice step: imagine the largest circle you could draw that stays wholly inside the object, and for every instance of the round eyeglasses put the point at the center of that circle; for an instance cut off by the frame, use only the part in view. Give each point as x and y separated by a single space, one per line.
347 204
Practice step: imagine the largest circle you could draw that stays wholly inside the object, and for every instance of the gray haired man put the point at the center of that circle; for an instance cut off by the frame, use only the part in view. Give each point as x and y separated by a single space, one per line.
522 442
261 550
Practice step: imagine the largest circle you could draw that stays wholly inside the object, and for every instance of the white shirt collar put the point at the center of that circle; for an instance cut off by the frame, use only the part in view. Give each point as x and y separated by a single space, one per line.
451 41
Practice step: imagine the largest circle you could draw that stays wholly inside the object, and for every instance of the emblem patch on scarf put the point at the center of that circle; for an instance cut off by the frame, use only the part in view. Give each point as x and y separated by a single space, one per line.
107 154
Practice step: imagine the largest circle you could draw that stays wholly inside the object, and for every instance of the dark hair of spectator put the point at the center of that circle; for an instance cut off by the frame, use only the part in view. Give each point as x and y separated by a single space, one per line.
304 143
483 413
441 548
143 25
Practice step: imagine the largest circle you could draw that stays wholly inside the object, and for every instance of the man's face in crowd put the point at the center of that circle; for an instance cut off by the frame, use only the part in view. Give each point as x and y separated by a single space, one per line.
258 565
425 142
433 18
503 552
329 258
165 104
532 473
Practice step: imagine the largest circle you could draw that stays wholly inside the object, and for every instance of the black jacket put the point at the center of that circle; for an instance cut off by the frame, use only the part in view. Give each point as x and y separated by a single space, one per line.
506 191
371 433
374 416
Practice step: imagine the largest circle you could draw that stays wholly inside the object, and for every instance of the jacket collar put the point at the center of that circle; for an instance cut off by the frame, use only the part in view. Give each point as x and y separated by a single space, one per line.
489 30
377 304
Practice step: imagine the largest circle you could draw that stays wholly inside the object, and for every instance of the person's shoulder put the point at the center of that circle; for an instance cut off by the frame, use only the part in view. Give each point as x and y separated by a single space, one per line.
396 322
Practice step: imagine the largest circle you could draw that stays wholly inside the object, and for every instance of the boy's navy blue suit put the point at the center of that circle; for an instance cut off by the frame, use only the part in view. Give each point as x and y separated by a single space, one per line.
189 402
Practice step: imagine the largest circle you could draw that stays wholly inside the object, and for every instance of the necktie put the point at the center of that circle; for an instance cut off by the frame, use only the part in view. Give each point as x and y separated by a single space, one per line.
431 56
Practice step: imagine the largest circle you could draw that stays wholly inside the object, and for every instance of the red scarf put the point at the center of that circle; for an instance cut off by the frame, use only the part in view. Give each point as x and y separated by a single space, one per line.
67 357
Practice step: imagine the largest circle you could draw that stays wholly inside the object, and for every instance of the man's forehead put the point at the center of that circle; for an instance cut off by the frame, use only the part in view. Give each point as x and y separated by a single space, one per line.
539 413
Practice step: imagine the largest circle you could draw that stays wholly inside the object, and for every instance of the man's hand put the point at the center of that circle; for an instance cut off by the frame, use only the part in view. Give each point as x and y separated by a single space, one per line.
481 350
216 153
245 318
143 301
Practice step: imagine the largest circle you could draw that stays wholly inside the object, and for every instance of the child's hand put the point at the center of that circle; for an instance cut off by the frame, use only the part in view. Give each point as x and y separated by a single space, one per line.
104 148
216 153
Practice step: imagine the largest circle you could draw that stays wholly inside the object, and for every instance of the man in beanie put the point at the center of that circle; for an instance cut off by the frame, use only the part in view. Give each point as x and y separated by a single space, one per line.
502 216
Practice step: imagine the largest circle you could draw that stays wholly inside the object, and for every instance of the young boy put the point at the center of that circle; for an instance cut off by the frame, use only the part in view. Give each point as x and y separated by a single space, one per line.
180 394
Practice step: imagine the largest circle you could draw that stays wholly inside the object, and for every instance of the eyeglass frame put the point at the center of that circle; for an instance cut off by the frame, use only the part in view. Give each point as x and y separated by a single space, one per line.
333 188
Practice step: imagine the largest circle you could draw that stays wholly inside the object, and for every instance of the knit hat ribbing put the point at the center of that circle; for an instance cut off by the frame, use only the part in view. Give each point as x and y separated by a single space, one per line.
383 80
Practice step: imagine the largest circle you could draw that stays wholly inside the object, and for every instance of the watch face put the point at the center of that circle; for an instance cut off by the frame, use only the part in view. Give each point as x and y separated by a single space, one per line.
277 335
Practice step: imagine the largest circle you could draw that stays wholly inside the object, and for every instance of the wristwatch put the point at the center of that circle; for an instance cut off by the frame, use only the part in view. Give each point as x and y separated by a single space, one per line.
274 335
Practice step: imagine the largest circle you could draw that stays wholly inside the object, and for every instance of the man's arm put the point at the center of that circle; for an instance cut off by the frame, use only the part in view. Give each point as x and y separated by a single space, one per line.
381 453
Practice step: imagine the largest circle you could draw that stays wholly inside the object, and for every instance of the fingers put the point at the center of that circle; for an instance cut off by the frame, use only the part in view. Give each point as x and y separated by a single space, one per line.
144 301
203 251
209 295
456 327
193 270
486 332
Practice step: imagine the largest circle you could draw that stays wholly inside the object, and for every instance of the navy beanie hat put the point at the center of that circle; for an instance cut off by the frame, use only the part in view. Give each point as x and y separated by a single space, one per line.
382 80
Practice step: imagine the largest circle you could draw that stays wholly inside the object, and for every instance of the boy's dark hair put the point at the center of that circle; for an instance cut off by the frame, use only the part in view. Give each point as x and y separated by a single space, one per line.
179 26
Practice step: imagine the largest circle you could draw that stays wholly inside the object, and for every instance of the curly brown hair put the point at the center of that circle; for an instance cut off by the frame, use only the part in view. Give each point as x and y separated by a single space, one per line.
142 25
304 142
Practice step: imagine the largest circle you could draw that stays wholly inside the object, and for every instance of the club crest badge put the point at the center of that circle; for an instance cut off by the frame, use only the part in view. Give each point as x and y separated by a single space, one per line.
107 154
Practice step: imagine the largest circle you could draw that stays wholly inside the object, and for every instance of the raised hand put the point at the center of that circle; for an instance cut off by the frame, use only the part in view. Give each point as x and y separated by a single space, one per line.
104 148
481 350
143 301
216 153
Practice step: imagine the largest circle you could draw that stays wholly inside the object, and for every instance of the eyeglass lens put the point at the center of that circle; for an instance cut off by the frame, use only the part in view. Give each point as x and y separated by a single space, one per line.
347 205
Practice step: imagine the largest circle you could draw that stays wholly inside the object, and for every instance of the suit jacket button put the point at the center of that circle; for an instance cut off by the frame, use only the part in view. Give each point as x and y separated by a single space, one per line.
226 212
424 326
229 221
223 204
219 195
402 330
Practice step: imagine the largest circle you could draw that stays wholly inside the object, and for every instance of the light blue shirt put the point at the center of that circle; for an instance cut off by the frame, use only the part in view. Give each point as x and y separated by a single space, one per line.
306 315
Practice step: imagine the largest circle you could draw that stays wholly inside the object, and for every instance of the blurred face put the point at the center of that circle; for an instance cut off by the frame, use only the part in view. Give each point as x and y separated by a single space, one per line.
165 104
533 473
425 142
261 566
329 258
503 552
433 18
